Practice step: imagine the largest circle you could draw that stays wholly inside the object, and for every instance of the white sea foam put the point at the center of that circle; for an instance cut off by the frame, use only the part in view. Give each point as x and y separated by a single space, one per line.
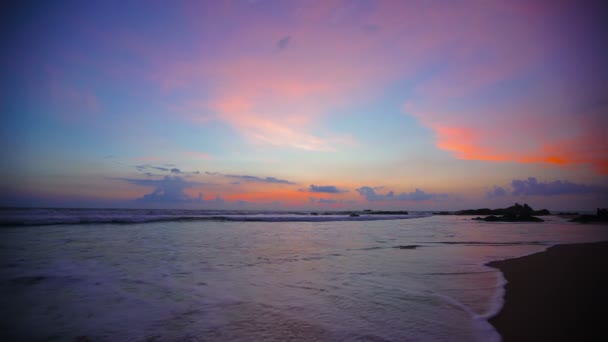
485 331
497 302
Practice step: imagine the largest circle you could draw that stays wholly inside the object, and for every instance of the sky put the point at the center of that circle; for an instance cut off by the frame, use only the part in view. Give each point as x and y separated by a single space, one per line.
312 105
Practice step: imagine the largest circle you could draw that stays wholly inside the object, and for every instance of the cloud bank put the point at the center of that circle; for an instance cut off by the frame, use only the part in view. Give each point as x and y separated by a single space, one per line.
496 192
283 42
532 187
417 196
170 168
257 179
330 201
170 190
329 189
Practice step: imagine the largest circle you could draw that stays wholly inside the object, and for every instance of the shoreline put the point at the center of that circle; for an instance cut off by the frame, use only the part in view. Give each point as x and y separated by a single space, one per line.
557 294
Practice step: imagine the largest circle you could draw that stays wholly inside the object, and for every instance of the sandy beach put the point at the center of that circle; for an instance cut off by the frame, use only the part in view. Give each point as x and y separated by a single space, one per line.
556 295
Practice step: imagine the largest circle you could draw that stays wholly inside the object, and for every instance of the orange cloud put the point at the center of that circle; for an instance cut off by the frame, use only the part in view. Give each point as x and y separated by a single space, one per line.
281 96
587 144
339 56
286 196
464 142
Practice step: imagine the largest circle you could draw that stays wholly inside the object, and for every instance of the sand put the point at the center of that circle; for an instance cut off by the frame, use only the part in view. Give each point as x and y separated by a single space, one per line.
556 295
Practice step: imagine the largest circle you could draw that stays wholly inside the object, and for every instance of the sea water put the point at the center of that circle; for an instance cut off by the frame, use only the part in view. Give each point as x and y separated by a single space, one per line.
182 276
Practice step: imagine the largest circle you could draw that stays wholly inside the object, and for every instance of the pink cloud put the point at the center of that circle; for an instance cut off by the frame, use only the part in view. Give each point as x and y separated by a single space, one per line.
281 96
515 92
579 138
339 55
268 127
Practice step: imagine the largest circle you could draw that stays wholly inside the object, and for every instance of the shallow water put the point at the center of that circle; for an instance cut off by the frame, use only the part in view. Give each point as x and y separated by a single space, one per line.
244 281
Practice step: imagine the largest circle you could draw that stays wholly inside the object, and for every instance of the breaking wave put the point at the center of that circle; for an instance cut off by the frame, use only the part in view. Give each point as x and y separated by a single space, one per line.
34 217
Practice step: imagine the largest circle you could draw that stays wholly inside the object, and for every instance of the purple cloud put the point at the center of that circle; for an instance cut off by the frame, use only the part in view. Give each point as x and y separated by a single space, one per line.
329 189
496 192
532 187
313 200
166 168
258 179
419 195
283 43
170 190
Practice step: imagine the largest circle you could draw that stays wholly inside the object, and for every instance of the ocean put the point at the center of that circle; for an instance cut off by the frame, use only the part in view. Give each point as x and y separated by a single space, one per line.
190 275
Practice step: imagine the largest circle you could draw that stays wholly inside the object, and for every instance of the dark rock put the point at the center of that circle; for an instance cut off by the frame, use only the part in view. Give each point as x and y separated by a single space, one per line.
483 211
510 218
490 218
600 216
516 209
542 212
407 246
396 212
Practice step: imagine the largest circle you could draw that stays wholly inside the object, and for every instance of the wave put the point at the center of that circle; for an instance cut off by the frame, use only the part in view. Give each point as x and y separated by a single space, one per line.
484 328
489 243
38 217
373 248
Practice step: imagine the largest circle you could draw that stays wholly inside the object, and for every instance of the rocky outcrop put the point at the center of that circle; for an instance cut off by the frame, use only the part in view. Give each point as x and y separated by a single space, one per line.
407 246
516 209
510 218
600 216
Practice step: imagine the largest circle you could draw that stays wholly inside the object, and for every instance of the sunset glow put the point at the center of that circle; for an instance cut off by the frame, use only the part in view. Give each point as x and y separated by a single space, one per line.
248 104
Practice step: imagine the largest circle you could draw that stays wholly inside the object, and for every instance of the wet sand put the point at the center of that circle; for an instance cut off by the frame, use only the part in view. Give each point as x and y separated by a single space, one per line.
556 295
